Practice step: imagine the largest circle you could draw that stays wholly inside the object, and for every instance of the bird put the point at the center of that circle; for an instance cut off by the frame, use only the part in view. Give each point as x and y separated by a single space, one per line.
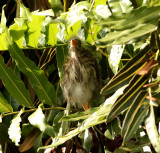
81 77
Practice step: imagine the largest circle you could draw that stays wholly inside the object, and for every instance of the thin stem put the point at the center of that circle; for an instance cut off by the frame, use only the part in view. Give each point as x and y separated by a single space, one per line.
33 110
18 9
109 7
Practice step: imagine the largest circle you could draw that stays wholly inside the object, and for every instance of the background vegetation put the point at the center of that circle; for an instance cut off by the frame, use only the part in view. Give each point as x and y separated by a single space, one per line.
124 38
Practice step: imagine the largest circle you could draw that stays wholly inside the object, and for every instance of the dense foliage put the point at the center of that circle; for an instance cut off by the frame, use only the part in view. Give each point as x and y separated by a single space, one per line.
124 38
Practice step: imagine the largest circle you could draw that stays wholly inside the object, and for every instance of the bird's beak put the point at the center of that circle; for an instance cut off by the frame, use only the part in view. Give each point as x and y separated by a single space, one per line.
73 43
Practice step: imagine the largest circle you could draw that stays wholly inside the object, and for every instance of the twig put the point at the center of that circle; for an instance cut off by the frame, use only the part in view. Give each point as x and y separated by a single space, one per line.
32 110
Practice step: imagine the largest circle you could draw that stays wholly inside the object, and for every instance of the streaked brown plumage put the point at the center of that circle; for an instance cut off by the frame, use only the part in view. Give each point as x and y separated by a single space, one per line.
80 83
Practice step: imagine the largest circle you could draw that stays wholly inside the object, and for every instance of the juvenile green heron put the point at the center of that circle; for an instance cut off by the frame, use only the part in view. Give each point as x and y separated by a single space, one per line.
80 83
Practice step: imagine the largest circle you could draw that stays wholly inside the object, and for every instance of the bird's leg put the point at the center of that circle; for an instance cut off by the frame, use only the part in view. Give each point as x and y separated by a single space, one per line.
68 108
85 106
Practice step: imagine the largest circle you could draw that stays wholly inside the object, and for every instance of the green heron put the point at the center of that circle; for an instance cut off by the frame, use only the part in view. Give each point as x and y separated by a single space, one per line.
81 80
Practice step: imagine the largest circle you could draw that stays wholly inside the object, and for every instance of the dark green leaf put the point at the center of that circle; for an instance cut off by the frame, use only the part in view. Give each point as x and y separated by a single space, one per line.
14 85
44 89
4 105
134 116
126 100
124 75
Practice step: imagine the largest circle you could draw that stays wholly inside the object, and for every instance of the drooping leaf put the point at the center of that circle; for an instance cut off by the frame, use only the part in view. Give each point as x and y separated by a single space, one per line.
25 12
44 89
29 141
4 105
151 129
87 140
3 20
37 119
14 130
14 85
2 31
115 56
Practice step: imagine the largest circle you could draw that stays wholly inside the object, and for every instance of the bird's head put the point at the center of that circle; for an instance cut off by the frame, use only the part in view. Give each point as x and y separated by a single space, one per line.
74 43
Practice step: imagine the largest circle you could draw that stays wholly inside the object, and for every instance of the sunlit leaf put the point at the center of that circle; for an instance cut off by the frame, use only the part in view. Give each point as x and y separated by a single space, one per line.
2 31
115 56
125 27
14 130
25 12
38 120
17 31
151 129
52 34
34 31
72 30
3 20
3 45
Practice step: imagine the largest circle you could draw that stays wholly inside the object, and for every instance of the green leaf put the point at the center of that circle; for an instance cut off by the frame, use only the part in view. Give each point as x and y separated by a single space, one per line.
135 86
34 31
135 115
17 31
14 130
25 12
87 140
3 45
99 2
43 88
92 31
151 129
62 52
120 7
123 76
38 120
52 33
48 12
124 28
2 31
97 117
114 129
115 56
14 85
4 105
72 30
3 20
79 115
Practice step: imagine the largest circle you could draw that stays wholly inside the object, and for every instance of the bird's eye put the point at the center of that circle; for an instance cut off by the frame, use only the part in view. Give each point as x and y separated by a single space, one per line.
78 42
